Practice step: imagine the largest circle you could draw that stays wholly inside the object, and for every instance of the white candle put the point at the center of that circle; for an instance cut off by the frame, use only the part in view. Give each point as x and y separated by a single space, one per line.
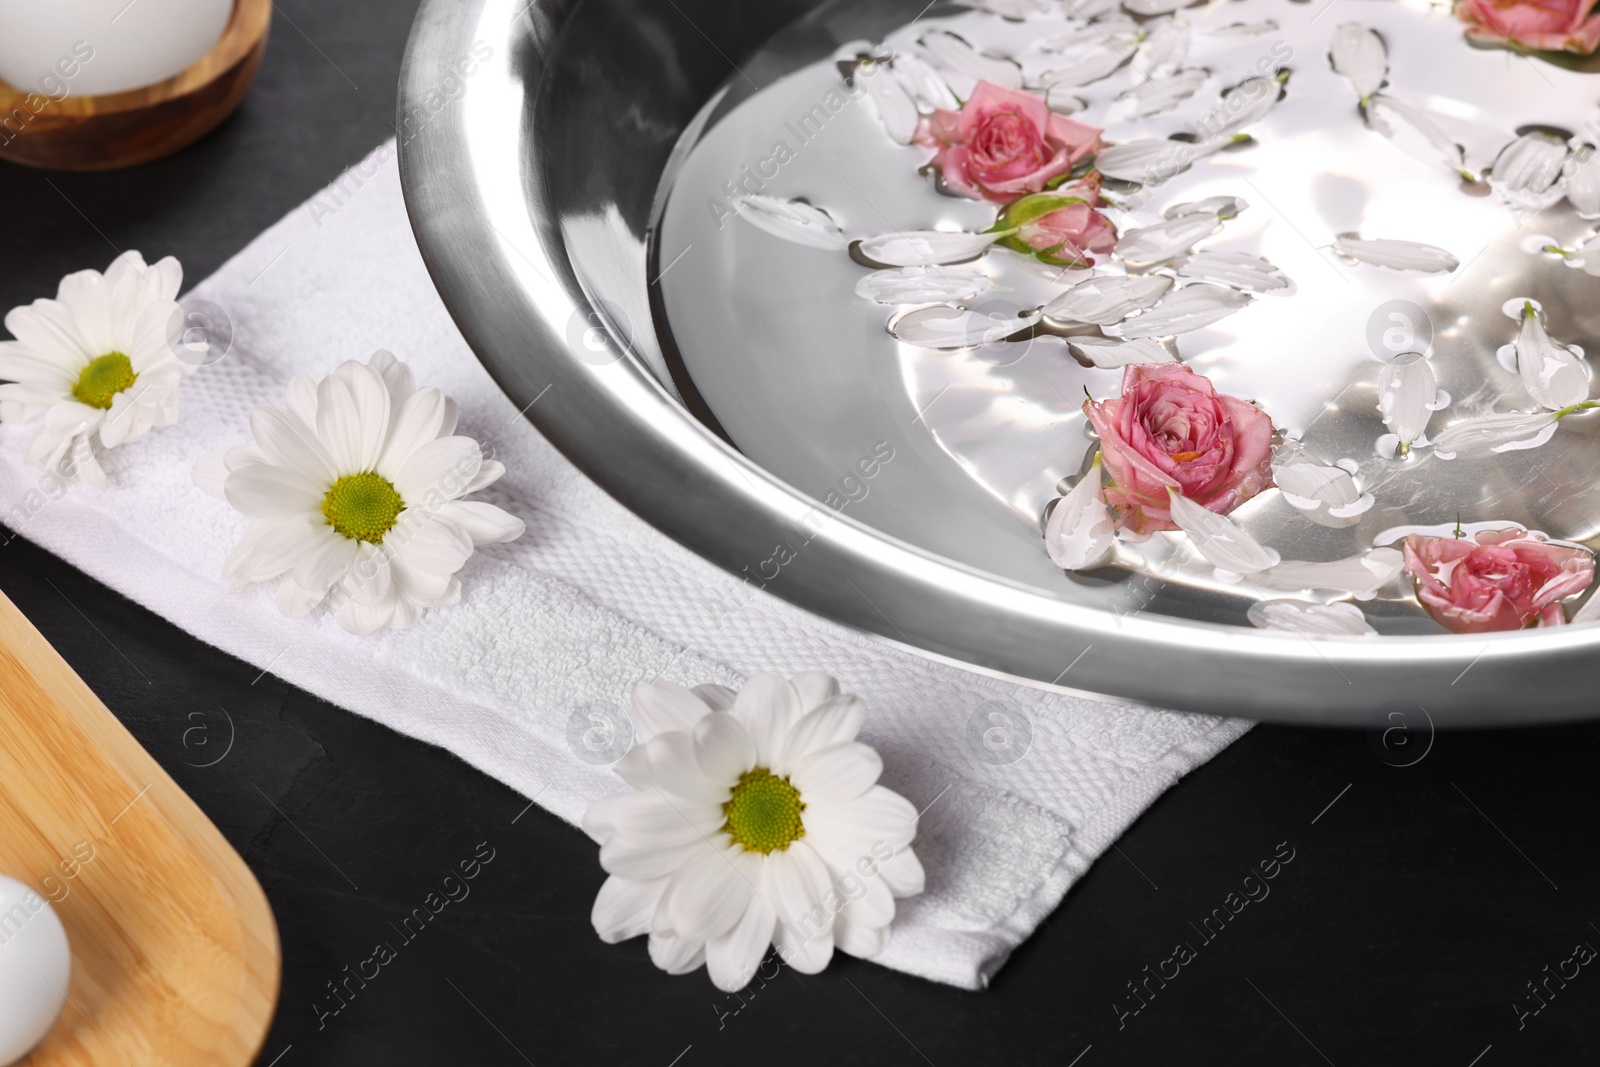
93 47
35 966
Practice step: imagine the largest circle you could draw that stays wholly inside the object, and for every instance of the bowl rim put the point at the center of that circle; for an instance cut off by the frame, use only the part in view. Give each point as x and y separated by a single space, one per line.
471 176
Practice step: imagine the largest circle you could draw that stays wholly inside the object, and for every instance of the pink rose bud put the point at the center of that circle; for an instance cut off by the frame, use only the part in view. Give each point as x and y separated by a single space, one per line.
1005 143
1171 429
1496 579
1060 227
1547 25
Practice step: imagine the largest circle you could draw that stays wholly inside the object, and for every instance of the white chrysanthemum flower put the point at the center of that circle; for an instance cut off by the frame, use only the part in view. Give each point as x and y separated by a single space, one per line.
355 491
755 819
96 362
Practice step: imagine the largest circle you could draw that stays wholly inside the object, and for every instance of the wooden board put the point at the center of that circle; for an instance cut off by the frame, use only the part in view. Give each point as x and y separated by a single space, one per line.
121 129
174 950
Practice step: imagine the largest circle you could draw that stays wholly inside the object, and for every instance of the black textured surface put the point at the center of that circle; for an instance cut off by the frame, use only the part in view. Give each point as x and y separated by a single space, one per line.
1415 909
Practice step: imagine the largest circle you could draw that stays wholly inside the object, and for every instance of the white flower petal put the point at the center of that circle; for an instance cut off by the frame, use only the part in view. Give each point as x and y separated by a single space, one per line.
723 747
1449 151
732 959
955 53
652 818
708 896
923 285
895 105
1164 240
287 442
927 248
1223 207
1154 7
483 522
1580 177
837 773
418 420
716 697
792 220
903 873
852 935
948 328
1530 164
439 470
1217 538
1153 162
645 863
1363 575
1106 301
1310 619
768 706
1191 308
1162 52
674 769
48 331
660 707
1551 373
210 471
834 721
1084 66
1406 390
263 491
1108 353
923 83
1484 435
676 955
1079 533
879 815
623 908
1163 92
815 689
799 884
1359 54
1327 495
1233 269
1397 255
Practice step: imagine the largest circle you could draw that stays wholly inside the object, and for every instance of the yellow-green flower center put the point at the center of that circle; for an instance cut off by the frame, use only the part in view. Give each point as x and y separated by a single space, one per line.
764 812
102 379
362 507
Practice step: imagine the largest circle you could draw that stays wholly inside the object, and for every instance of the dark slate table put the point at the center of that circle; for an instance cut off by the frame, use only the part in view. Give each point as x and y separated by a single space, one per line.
1432 879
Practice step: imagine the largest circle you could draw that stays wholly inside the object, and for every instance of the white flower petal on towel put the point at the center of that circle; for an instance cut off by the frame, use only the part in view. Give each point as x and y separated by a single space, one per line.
1551 373
1193 307
949 328
1079 532
1397 255
1105 301
923 285
960 56
1360 575
925 248
793 220
1484 435
1109 353
1358 53
1310 619
1149 245
1219 539
1406 390
1233 269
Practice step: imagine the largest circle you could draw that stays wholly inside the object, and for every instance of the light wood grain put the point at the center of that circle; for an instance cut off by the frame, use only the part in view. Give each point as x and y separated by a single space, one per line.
121 129
175 956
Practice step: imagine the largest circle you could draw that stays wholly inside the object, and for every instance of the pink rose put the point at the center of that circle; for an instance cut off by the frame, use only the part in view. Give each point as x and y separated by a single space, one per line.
1060 227
1171 429
1004 143
1547 25
1495 580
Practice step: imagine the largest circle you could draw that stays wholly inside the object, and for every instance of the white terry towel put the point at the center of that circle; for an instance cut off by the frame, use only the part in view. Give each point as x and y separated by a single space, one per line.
558 627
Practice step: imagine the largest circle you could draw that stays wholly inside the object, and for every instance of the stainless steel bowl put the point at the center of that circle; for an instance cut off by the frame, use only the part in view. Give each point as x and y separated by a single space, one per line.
533 140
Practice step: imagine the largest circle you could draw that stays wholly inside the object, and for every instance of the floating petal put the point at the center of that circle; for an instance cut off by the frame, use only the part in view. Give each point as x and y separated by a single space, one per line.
1406 389
1448 150
1327 496
1361 575
793 220
1216 537
1530 164
1551 373
1581 179
957 54
1397 255
1310 619
1233 269
1358 53
1223 207
895 105
1153 162
1154 7
1105 301
1108 353
1010 9
1163 93
1191 308
1150 245
923 83
1485 435
1245 29
924 248
951 328
1247 102
923 285
1163 50
1079 532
